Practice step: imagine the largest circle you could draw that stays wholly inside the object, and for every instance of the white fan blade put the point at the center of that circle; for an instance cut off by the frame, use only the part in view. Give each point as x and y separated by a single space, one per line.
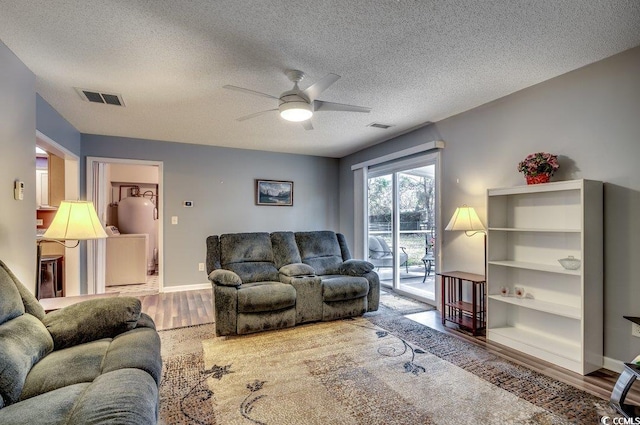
319 105
257 114
307 125
253 92
321 85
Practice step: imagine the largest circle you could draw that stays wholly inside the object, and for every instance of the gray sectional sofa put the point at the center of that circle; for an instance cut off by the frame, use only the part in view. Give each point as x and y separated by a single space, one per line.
276 280
95 362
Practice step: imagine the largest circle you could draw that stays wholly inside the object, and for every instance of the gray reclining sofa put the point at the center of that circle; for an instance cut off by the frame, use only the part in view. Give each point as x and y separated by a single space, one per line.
95 362
267 281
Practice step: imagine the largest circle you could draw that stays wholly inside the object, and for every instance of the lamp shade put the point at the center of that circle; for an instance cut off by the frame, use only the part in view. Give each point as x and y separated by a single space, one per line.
75 220
465 219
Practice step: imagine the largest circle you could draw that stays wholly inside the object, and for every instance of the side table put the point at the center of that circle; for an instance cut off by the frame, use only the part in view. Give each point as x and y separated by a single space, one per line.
467 314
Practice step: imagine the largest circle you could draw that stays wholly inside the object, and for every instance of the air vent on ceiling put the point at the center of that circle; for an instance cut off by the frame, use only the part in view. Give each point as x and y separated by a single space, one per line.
97 97
378 125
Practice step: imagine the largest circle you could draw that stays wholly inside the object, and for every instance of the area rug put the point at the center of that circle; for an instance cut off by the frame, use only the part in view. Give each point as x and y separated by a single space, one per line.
355 372
400 305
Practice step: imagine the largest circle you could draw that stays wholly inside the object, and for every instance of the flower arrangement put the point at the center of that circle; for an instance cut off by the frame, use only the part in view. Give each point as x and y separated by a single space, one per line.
539 167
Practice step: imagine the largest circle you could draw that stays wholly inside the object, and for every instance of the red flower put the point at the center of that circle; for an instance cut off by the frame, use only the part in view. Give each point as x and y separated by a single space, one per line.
539 163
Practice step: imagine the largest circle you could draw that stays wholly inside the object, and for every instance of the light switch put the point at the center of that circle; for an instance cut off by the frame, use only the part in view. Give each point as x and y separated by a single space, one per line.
174 219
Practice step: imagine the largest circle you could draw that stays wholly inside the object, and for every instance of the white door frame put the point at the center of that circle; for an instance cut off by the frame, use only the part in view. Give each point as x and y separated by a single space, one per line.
97 259
71 192
393 169
430 151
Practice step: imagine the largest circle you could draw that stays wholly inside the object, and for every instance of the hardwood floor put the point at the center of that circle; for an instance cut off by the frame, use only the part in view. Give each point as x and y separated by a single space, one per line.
177 309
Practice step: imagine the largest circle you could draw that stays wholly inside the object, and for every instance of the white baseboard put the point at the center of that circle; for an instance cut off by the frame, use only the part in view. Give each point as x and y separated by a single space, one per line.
196 287
613 364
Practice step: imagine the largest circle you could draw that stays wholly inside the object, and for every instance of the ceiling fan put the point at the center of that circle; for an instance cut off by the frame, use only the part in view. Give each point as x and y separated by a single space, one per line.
299 105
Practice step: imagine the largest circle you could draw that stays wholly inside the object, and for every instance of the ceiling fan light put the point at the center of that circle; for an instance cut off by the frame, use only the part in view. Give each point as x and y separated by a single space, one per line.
296 111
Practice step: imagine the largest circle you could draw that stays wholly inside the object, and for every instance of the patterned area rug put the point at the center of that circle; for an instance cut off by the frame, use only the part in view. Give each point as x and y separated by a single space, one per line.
382 368
401 305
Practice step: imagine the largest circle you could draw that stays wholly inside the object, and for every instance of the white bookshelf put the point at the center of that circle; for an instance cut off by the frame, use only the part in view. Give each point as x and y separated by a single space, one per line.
529 229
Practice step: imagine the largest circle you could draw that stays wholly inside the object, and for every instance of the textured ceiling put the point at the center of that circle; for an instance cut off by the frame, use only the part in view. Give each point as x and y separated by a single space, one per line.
410 61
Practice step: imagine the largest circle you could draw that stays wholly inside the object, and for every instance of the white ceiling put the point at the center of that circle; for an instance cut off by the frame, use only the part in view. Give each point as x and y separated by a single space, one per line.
411 61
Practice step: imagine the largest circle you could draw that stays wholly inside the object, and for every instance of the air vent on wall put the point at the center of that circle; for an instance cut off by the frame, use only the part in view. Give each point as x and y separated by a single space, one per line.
97 97
378 125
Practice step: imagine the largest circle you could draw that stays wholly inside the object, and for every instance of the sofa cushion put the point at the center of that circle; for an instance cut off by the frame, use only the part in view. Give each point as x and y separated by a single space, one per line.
49 408
265 296
225 277
11 305
125 396
318 244
73 365
249 255
297 269
92 320
285 250
138 349
245 247
384 245
325 265
24 341
341 288
251 322
375 248
31 303
342 309
320 250
356 267
145 321
254 272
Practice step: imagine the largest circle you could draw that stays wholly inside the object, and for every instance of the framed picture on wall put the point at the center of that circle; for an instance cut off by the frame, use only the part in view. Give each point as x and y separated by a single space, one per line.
274 193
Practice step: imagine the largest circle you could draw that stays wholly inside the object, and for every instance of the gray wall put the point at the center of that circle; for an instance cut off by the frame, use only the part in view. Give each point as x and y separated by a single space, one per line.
17 162
220 182
50 123
591 118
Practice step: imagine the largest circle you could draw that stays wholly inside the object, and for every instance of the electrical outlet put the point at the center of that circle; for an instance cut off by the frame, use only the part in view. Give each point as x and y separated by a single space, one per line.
635 330
200 267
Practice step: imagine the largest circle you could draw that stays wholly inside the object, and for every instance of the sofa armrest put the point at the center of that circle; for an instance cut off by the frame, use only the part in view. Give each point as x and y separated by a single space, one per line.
225 278
297 269
92 320
356 267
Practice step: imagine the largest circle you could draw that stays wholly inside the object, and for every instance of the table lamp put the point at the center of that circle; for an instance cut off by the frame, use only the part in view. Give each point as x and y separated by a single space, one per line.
466 219
74 220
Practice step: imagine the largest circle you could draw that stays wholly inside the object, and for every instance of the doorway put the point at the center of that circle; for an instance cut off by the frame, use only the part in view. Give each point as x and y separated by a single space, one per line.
128 198
402 204
66 185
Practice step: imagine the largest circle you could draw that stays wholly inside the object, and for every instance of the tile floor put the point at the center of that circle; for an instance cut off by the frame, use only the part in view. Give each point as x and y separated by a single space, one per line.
148 288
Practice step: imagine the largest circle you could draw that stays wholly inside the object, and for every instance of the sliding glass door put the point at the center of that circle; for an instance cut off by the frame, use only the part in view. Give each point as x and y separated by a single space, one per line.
401 225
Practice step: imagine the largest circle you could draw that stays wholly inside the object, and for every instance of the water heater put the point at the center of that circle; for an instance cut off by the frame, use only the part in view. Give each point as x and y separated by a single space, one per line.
136 215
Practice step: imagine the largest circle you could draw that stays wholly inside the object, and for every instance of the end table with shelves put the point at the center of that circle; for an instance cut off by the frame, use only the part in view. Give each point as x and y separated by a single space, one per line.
470 312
